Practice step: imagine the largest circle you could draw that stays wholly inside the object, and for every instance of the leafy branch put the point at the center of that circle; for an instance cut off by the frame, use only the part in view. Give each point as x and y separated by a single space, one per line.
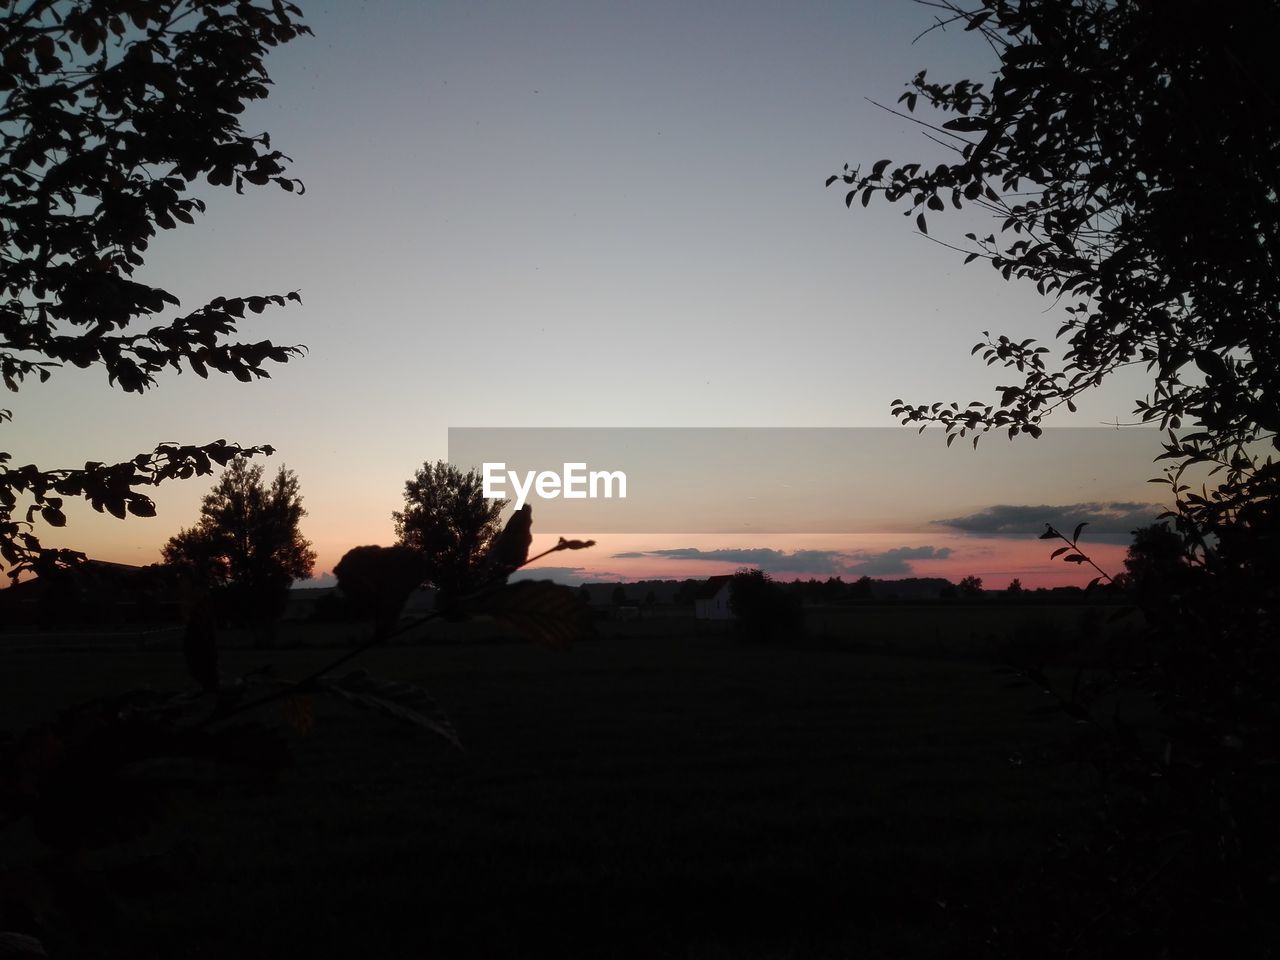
1072 551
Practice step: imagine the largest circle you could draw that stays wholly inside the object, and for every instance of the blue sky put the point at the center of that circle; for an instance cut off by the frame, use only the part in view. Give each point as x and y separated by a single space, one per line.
561 214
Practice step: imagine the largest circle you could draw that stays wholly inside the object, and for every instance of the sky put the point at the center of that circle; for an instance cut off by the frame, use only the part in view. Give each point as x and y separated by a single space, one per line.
589 215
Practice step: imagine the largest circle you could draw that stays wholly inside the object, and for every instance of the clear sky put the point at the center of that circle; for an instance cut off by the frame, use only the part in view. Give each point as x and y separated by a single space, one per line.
576 214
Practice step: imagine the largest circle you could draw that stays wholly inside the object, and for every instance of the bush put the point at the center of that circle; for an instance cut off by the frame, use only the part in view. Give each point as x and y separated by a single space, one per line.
764 610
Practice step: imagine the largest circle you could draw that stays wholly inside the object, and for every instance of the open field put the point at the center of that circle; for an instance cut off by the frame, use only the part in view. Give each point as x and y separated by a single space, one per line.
642 796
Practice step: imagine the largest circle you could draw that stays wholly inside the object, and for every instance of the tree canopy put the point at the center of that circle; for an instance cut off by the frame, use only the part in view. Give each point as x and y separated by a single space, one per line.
112 112
248 540
1130 153
763 609
447 520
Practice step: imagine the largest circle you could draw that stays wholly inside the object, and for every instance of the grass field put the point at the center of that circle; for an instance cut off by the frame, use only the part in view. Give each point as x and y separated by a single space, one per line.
642 796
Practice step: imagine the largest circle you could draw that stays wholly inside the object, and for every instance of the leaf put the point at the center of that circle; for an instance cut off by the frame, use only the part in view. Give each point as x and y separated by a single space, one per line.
510 548
544 611
1057 553
141 506
1210 363
924 228
395 698
1080 526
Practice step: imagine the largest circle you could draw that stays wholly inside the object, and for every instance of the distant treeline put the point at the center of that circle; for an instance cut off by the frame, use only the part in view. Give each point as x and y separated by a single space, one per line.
836 590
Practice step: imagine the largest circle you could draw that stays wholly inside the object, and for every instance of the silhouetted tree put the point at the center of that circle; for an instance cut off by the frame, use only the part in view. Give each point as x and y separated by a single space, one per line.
1131 155
619 596
687 592
833 590
763 608
1158 567
970 586
1015 588
110 112
1155 233
378 580
247 542
448 521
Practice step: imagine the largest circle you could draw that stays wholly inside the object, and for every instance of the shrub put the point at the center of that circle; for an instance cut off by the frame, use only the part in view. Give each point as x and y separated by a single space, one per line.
763 608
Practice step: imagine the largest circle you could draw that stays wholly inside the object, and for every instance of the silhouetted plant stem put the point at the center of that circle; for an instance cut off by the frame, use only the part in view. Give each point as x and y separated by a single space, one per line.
1077 555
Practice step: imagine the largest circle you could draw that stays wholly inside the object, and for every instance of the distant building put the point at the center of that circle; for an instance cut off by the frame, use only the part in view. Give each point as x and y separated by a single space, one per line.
712 600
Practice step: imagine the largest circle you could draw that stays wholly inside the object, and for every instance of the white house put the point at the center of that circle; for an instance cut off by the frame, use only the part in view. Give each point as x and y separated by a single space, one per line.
712 600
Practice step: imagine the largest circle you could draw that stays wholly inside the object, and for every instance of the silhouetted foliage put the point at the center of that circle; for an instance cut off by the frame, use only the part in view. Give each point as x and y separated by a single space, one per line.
509 550
448 521
1131 156
687 593
1154 231
378 580
970 586
1158 567
111 112
1014 589
763 608
247 543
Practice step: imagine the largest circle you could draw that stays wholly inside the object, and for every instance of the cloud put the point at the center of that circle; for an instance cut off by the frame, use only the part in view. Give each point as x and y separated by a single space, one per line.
1110 520
895 562
799 561
830 563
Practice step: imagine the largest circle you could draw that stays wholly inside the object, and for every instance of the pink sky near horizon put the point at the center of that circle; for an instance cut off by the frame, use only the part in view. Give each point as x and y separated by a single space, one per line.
997 560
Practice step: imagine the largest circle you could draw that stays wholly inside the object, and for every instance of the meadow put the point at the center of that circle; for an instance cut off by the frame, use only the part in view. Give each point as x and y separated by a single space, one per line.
657 792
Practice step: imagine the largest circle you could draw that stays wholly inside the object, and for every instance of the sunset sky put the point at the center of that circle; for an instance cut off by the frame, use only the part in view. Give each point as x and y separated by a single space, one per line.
597 215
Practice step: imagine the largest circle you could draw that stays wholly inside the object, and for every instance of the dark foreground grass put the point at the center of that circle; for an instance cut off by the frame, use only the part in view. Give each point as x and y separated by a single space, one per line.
666 797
